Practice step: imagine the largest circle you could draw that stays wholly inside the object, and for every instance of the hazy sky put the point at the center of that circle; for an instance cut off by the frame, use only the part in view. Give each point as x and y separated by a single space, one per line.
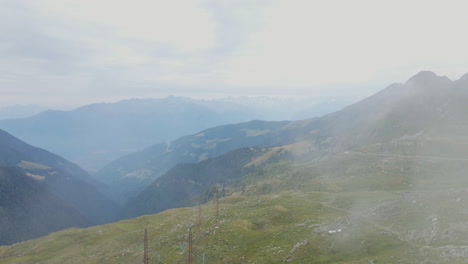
58 52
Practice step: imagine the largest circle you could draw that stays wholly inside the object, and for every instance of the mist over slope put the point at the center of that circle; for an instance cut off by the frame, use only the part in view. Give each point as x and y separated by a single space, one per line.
426 105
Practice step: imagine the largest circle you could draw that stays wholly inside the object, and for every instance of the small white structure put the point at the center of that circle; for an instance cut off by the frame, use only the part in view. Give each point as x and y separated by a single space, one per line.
333 231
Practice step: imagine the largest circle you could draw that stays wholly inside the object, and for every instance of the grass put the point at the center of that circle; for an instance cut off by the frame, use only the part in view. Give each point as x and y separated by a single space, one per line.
288 226
389 210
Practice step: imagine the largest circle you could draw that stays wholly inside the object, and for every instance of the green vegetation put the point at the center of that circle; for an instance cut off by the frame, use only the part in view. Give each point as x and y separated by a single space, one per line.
298 211
288 226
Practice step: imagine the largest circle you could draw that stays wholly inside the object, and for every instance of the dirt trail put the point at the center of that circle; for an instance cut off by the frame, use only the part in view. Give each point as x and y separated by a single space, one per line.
408 156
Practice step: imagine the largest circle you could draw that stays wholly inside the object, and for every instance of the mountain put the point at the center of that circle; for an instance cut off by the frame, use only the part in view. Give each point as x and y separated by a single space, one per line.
132 173
94 135
424 102
178 186
426 105
59 176
28 210
426 109
381 181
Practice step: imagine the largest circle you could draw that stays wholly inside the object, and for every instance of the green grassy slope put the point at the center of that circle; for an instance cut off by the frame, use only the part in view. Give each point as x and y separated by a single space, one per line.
283 227
349 207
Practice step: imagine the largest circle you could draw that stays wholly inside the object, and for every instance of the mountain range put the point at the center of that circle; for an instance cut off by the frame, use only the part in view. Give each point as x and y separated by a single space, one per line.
94 135
380 181
426 106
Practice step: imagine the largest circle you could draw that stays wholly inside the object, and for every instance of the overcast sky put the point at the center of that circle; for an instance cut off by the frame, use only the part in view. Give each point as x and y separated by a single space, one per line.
74 52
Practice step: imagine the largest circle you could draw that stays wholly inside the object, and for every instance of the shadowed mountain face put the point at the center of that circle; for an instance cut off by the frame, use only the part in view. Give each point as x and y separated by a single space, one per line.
59 177
131 174
183 182
29 210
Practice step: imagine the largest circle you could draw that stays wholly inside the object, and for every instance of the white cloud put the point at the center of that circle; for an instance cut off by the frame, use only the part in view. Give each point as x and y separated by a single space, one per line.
182 24
312 43
83 50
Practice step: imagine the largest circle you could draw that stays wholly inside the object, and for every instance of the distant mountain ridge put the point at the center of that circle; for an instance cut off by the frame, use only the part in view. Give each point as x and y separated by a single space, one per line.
96 134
